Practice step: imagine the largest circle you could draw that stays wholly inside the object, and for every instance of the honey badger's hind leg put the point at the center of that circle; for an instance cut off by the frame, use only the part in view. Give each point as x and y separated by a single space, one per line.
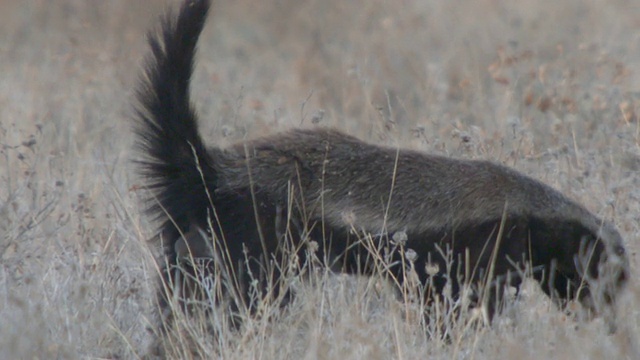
227 269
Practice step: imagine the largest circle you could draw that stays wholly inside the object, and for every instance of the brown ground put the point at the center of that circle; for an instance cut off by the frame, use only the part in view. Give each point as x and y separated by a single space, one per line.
548 87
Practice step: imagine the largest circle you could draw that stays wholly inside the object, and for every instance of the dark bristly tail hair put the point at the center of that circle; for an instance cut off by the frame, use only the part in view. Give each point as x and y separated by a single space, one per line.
175 160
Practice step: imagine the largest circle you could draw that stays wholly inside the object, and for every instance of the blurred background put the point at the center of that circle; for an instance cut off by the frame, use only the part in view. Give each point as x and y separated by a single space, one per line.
551 88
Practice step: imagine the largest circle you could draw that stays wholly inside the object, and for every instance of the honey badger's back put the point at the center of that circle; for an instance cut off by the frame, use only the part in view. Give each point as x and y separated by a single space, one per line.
429 191
255 195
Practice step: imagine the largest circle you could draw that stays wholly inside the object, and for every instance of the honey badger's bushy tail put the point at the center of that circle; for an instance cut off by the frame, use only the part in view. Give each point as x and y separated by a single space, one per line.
175 160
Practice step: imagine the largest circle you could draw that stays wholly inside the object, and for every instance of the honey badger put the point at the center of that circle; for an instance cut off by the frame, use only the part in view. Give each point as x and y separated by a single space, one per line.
236 210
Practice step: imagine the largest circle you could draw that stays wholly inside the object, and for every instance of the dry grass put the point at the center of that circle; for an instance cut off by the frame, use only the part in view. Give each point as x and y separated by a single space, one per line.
548 87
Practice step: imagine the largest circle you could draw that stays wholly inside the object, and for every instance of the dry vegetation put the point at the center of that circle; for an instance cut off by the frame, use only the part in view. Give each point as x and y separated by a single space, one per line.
548 87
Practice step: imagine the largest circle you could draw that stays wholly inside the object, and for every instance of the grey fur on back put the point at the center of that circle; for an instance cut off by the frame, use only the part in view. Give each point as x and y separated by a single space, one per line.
372 187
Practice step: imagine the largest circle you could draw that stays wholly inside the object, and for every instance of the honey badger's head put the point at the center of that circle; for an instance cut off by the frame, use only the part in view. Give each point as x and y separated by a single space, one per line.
603 268
585 260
